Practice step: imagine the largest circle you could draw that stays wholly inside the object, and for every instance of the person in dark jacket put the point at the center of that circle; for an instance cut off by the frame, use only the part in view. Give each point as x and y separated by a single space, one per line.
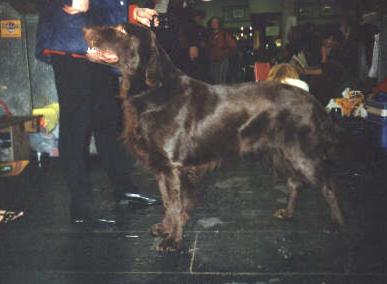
86 93
178 35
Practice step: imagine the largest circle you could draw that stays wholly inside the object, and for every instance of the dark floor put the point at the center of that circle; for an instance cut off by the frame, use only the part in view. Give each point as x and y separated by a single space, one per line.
231 238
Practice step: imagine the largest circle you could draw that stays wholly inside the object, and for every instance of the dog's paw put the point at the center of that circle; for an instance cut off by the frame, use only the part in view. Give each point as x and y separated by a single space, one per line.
158 230
168 245
283 214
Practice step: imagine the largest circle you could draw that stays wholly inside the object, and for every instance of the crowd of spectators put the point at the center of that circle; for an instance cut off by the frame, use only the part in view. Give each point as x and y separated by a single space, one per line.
327 57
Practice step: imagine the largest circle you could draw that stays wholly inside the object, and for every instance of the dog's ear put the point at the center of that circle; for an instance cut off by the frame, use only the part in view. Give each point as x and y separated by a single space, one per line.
153 74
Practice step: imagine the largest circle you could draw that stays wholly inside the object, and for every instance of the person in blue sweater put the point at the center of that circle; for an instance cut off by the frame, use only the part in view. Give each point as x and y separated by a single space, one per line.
87 97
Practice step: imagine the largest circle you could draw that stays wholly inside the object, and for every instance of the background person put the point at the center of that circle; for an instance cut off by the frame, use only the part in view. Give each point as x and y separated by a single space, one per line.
178 33
219 48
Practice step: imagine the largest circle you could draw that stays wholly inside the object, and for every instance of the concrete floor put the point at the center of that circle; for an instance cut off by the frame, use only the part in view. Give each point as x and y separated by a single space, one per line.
231 238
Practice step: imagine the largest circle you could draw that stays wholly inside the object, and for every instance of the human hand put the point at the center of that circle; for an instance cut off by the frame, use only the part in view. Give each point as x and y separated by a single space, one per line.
104 56
144 16
78 6
324 54
193 53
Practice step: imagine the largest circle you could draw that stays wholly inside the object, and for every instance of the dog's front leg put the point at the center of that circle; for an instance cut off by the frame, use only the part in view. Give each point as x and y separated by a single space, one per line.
162 229
171 228
126 107
124 86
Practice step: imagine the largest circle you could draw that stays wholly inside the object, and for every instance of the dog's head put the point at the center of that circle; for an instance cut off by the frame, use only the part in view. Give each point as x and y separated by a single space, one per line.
131 48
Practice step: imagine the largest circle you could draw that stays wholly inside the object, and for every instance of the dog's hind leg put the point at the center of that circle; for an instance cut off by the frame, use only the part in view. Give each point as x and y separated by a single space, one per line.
321 178
329 192
314 172
294 185
171 228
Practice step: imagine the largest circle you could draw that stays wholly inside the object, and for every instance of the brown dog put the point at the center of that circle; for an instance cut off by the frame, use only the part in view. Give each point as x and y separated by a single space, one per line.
180 127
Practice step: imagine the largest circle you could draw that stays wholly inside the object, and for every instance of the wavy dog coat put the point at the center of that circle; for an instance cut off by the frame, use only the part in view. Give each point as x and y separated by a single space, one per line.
180 127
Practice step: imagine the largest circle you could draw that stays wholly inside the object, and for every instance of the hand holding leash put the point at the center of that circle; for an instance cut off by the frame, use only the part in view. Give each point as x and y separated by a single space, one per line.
146 16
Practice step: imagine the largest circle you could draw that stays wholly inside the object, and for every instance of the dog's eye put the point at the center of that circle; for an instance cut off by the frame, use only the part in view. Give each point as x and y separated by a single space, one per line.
121 30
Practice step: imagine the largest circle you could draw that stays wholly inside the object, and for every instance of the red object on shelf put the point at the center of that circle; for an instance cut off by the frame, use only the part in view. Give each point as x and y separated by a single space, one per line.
261 71
4 108
381 87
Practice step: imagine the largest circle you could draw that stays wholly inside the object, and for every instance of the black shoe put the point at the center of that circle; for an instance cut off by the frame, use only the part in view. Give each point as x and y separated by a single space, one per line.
79 220
82 217
105 220
138 198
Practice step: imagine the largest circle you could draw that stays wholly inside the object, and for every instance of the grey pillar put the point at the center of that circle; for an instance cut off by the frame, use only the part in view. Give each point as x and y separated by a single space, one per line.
288 18
43 89
15 88
383 49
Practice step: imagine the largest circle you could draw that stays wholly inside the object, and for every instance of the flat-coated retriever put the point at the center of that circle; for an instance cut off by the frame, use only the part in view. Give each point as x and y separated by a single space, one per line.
180 127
